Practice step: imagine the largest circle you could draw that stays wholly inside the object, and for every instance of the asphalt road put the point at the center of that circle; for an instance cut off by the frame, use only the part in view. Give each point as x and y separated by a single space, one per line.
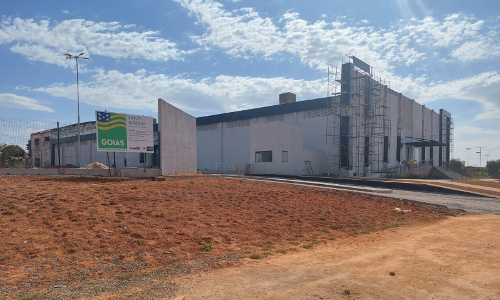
470 203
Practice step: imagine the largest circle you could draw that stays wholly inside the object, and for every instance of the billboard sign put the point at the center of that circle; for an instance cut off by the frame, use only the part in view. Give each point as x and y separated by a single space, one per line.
124 133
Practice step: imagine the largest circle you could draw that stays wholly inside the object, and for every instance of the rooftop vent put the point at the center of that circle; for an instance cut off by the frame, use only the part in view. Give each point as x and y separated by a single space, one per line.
288 98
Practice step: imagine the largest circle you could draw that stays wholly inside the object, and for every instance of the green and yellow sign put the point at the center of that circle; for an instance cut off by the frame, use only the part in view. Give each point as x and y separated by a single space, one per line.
124 133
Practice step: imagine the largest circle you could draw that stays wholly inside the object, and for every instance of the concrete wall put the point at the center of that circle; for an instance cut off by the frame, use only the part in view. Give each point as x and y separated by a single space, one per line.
393 98
125 172
223 145
278 137
314 124
235 143
435 136
317 158
209 152
177 132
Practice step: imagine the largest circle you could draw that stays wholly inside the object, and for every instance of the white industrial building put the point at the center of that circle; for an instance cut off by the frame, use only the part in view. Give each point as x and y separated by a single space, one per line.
362 128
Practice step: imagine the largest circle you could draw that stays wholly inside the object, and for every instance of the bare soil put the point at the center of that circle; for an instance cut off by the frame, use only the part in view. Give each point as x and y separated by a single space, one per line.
456 258
88 237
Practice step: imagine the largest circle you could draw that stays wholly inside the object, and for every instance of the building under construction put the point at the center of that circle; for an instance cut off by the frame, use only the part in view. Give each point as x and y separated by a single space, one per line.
362 128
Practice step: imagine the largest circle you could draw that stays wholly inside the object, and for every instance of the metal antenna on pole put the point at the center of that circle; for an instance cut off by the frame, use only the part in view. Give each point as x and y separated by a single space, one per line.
69 56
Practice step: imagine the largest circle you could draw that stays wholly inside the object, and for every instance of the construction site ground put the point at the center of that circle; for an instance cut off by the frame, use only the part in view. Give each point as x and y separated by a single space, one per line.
79 237
487 187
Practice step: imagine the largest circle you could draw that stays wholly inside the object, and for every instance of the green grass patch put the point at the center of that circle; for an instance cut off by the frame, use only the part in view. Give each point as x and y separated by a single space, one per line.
206 246
124 276
255 256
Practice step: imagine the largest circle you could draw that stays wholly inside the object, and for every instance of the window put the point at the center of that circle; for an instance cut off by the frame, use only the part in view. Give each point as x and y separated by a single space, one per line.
37 141
141 158
367 151
263 156
386 149
284 156
398 149
47 139
344 142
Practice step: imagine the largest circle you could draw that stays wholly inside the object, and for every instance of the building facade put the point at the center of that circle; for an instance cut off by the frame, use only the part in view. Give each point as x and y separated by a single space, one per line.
362 129
57 146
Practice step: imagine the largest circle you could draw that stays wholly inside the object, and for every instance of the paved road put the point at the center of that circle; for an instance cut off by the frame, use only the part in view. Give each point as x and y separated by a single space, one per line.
471 204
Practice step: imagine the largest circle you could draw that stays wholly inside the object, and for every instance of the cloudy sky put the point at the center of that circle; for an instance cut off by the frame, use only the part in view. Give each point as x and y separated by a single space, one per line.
209 57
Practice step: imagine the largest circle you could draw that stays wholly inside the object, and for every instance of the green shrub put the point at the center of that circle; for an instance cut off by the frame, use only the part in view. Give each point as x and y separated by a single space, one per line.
206 246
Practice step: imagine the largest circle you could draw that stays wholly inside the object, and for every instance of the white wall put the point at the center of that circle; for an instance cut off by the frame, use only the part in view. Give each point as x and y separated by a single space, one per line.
393 98
317 159
235 144
278 137
209 147
223 145
435 136
177 132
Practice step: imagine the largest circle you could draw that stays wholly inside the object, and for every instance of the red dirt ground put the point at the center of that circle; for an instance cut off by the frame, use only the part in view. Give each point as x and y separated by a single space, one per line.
60 230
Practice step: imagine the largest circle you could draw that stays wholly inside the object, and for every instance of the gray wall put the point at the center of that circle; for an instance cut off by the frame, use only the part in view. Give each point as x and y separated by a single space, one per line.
177 132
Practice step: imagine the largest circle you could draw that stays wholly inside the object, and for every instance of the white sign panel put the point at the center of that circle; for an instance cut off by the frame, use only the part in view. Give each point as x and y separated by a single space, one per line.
124 133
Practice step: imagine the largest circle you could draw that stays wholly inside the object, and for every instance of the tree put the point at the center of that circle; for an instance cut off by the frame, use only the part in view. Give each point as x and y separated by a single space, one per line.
12 150
457 164
411 164
493 167
28 147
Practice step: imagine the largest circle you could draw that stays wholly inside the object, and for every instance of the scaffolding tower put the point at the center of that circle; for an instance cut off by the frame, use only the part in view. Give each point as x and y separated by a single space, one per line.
358 124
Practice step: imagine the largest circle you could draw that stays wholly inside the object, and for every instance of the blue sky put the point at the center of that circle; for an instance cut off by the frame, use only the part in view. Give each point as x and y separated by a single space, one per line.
209 57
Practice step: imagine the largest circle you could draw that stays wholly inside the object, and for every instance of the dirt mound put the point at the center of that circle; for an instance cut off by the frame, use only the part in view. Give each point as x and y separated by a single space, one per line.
95 165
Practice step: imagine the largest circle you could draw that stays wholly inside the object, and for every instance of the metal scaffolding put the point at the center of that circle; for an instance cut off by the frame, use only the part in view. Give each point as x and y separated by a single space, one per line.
358 124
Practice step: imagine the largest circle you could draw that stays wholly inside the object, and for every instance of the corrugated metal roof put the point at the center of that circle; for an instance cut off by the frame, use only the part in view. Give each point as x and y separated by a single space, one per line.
264 111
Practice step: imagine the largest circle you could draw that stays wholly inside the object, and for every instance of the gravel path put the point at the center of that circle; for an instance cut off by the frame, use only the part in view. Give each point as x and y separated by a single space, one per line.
476 205
471 204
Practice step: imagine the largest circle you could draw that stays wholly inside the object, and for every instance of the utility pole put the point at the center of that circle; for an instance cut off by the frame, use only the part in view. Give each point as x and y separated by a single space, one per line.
467 156
480 154
69 56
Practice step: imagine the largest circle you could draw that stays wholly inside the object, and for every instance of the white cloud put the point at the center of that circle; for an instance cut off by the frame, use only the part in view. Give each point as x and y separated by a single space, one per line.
240 32
483 88
45 40
474 50
20 102
209 95
243 32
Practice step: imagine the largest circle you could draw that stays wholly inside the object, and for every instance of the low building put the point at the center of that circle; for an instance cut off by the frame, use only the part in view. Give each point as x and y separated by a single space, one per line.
56 147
